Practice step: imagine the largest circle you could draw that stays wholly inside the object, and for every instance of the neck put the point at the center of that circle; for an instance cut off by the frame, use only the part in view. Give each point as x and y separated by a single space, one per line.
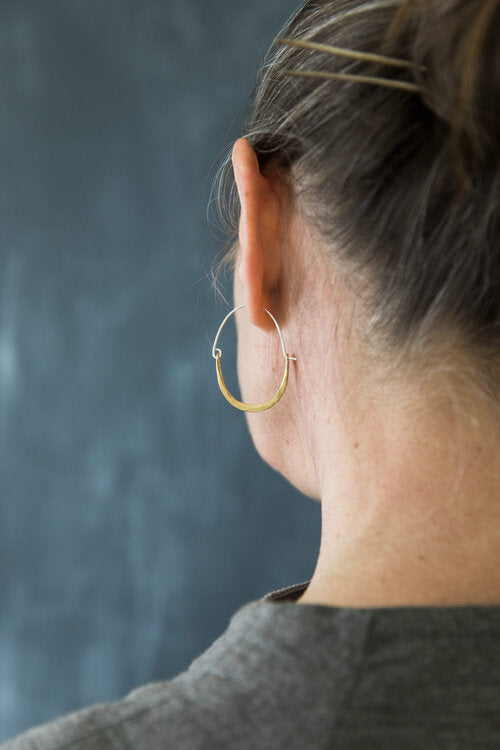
410 513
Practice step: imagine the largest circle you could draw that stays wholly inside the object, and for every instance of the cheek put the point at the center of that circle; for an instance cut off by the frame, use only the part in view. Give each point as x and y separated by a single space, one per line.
277 445
266 432
259 380
260 370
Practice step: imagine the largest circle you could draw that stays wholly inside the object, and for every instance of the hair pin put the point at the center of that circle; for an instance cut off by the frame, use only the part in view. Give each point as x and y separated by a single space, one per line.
370 56
405 85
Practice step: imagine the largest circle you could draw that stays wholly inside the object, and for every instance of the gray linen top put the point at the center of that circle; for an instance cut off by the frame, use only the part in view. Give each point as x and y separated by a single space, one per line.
304 677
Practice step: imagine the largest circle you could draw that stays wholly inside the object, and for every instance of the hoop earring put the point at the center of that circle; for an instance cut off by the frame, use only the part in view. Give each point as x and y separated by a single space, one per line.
217 354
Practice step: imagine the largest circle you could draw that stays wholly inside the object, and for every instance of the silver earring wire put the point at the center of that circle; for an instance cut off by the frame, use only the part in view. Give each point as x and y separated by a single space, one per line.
216 351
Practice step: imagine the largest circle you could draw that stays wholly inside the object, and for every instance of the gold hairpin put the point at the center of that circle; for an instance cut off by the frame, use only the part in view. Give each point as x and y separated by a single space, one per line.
369 56
360 79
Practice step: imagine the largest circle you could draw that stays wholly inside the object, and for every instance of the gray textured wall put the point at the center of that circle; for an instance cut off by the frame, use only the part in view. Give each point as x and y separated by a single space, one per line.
135 515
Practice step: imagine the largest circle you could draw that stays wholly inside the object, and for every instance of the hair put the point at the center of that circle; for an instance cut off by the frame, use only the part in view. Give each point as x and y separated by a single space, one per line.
402 187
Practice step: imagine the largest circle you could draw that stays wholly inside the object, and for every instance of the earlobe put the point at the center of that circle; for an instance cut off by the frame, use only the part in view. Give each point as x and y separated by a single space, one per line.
257 233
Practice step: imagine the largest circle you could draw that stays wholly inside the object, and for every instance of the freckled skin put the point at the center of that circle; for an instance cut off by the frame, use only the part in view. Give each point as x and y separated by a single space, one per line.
414 517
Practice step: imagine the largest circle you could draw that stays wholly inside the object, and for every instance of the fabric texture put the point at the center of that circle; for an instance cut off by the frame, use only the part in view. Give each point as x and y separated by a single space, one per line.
304 677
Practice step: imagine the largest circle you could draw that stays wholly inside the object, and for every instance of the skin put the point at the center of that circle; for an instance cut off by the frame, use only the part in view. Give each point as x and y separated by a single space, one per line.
410 492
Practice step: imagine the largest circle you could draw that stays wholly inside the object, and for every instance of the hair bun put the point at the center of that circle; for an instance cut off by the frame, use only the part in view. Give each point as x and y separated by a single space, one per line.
458 43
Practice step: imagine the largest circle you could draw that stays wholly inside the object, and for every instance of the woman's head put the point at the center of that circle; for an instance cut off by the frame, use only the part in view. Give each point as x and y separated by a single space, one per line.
388 199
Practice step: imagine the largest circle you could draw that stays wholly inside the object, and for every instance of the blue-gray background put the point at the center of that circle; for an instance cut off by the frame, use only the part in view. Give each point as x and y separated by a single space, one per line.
136 516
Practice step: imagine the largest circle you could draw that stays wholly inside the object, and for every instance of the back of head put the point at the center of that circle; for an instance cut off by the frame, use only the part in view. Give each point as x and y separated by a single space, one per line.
401 185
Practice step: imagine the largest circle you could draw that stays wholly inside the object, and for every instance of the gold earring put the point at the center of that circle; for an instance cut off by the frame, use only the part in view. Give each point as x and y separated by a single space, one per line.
217 354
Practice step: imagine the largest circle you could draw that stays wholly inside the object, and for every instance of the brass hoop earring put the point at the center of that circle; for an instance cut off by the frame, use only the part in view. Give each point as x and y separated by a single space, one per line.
217 354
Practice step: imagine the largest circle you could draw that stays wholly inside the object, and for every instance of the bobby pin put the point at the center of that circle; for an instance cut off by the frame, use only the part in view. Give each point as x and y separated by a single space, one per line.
371 56
360 79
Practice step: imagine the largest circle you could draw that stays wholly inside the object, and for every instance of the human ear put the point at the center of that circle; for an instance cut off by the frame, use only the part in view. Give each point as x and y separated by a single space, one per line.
259 234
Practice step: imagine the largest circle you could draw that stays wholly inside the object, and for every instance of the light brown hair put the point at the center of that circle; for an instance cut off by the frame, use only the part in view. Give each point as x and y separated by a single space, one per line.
405 186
